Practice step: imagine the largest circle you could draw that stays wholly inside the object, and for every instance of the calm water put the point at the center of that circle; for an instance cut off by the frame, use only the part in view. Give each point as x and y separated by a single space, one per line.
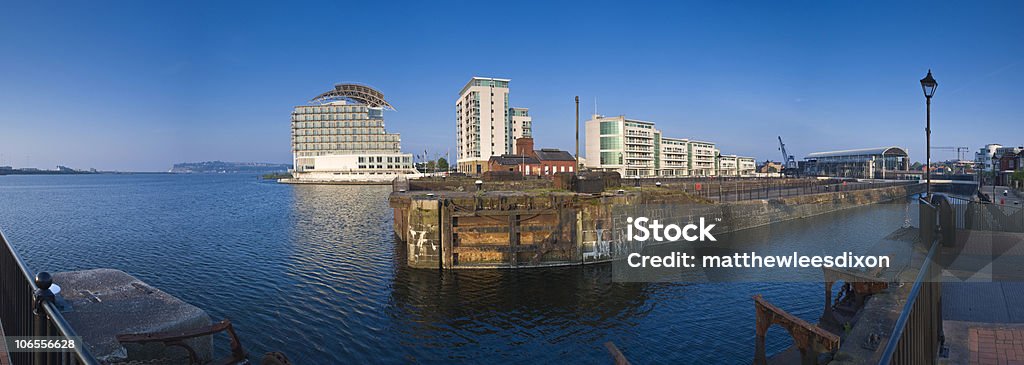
316 272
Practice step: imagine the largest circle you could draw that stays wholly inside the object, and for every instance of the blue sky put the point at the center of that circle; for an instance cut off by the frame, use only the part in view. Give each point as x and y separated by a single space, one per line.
140 85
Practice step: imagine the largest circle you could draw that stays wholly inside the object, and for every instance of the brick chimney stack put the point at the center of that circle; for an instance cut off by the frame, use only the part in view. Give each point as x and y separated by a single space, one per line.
524 146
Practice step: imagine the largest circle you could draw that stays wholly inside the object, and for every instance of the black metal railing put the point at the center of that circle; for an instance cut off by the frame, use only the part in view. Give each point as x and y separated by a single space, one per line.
987 216
27 310
917 335
768 188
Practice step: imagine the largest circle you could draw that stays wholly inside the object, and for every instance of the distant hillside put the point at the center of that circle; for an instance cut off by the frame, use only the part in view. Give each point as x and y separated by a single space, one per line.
228 167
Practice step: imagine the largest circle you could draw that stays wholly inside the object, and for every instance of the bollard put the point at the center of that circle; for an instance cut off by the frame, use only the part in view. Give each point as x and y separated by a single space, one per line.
479 185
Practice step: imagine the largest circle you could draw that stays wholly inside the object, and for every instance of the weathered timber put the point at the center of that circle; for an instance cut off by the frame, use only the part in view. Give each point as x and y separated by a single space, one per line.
811 340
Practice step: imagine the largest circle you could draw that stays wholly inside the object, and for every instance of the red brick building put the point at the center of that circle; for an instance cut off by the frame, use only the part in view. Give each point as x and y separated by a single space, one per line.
1010 161
526 160
527 165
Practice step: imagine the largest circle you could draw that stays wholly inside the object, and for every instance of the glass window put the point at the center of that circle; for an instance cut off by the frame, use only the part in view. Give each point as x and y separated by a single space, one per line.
611 158
611 143
609 127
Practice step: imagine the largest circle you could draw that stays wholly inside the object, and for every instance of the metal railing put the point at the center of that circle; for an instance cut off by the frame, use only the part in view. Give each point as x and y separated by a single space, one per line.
917 335
738 189
987 216
28 310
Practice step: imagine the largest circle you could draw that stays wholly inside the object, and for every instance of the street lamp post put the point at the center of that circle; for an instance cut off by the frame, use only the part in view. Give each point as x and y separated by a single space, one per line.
994 177
928 85
718 174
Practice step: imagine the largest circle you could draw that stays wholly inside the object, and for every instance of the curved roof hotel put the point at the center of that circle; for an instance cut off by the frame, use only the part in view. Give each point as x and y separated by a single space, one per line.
339 137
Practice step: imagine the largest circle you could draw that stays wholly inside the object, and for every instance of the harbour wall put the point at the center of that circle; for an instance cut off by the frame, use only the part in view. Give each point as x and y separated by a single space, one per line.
515 229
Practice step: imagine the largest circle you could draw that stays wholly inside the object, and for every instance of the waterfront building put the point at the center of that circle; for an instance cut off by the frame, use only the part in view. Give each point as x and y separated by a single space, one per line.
737 166
485 123
528 161
340 137
770 167
728 165
983 158
867 163
635 148
674 159
747 165
702 155
621 144
1008 161
523 164
521 122
553 160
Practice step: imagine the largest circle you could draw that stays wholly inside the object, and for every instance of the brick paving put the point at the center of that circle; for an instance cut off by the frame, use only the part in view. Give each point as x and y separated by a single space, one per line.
993 345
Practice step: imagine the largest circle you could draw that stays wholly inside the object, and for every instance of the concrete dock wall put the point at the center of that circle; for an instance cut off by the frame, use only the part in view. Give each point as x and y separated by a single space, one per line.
459 230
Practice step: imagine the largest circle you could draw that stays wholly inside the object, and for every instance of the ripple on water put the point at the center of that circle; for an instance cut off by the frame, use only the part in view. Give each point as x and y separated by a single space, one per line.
315 271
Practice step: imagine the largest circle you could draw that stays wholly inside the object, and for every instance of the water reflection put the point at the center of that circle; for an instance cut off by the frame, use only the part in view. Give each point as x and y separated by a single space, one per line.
542 315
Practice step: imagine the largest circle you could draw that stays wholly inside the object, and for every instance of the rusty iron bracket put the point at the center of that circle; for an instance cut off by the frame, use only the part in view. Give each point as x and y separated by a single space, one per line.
177 338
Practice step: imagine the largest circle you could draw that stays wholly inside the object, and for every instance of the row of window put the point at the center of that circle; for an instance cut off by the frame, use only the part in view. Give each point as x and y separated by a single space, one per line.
388 159
352 138
346 131
327 124
381 146
315 117
639 125
331 109
489 83
389 167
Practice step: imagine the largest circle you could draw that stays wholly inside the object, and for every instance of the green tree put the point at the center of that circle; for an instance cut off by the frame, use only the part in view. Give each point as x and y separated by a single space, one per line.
1018 176
442 164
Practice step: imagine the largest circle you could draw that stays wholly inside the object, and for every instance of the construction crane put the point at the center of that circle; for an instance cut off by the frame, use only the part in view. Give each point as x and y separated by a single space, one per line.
789 166
959 156
959 151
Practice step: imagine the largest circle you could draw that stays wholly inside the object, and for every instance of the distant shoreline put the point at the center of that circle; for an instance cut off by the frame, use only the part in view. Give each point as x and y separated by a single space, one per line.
53 172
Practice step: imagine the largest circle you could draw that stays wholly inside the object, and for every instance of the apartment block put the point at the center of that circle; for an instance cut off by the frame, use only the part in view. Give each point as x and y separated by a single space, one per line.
485 123
635 148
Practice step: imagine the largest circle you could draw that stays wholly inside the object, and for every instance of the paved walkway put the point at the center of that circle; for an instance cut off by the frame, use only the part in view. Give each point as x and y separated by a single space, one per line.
996 345
4 360
984 322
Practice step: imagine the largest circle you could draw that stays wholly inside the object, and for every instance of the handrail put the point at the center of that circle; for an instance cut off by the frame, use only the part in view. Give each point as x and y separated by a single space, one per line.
17 259
46 323
908 308
901 322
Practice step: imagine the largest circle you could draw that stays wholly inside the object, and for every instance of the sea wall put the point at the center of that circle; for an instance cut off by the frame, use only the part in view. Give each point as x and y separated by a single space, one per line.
464 230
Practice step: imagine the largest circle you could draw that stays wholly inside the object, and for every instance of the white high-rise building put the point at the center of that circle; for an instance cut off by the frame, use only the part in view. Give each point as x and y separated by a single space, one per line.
485 123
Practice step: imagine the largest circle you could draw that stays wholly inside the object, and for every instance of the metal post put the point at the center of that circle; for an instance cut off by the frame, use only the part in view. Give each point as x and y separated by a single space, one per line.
41 296
577 167
928 147
994 175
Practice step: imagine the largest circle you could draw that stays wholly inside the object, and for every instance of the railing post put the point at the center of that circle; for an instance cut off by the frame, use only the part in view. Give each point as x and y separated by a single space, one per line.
40 297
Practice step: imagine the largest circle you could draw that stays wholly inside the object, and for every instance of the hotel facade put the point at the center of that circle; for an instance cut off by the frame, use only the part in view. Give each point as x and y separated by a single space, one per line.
340 137
635 148
486 124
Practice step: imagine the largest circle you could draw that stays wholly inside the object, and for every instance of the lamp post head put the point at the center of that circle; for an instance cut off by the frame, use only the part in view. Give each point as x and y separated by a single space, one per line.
928 85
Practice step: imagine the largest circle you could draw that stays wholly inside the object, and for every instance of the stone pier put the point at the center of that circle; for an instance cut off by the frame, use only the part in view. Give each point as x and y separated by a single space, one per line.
522 229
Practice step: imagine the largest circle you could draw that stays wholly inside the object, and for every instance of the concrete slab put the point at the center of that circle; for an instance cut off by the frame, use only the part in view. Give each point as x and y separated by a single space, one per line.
104 303
1013 292
974 302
